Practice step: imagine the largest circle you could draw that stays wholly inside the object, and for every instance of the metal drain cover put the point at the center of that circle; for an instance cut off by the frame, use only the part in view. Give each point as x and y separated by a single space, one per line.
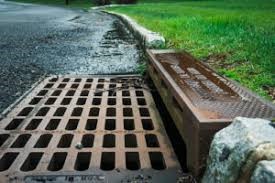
86 129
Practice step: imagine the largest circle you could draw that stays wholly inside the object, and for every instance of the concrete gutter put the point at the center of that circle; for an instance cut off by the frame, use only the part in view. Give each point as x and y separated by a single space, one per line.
147 38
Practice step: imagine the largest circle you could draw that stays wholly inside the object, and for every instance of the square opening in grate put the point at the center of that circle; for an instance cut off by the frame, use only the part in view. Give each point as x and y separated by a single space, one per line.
98 93
101 80
66 101
109 140
110 124
62 85
53 124
147 124
157 160
42 93
151 140
126 101
66 80
14 124
77 80
84 93
113 80
3 138
112 86
129 124
50 101
91 124
107 161
21 141
144 112
43 141
31 162
111 93
87 140
56 93
132 161
57 161
7 160
74 86
89 80
70 93
87 86
139 93
128 112
77 111
34 123
111 111
72 124
96 101
141 101
50 85
130 140
65 141
35 100
26 111
100 86
94 111
53 80
111 101
125 93
81 101
82 161
60 111
43 111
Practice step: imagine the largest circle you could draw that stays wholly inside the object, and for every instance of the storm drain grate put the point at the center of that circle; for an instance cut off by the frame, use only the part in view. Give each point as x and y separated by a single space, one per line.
80 129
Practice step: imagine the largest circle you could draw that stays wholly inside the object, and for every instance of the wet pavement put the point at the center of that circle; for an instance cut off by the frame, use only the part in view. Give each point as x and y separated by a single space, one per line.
41 40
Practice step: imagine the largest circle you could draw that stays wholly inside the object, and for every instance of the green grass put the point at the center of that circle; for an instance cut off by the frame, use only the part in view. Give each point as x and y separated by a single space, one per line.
85 4
237 36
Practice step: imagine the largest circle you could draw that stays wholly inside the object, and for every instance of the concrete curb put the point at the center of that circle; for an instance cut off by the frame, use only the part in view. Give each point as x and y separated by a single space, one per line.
108 6
147 38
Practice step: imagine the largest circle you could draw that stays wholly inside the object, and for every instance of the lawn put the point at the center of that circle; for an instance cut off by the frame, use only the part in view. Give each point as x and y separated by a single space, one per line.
236 37
85 4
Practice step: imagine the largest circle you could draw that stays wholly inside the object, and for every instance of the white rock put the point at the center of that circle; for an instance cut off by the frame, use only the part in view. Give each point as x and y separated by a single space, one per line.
232 146
264 172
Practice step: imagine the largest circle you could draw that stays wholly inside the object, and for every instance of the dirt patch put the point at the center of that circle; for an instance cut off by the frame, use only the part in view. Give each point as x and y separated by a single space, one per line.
218 60
271 92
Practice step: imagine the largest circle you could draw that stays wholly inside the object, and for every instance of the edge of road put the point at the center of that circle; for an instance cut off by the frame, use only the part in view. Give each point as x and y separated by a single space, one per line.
147 38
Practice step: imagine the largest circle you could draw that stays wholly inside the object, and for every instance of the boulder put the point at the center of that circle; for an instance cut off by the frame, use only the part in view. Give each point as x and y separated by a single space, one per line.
264 172
237 149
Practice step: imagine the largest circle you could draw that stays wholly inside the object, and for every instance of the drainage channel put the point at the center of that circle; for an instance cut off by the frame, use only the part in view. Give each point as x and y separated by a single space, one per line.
83 129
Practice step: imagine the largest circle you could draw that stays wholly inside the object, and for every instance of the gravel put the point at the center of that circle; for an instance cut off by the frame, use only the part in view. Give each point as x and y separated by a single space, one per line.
42 40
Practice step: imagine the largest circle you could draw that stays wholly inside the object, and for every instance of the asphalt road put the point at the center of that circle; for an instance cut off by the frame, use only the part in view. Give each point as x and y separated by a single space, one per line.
37 40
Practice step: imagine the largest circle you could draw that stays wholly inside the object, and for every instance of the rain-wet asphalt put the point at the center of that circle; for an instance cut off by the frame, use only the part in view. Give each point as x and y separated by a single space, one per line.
40 40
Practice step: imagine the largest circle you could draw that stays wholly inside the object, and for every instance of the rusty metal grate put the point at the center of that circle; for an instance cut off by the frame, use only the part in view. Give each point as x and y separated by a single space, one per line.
213 96
82 129
200 101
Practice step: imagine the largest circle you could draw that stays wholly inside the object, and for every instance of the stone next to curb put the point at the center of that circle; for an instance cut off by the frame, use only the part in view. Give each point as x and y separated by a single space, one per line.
242 152
147 38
